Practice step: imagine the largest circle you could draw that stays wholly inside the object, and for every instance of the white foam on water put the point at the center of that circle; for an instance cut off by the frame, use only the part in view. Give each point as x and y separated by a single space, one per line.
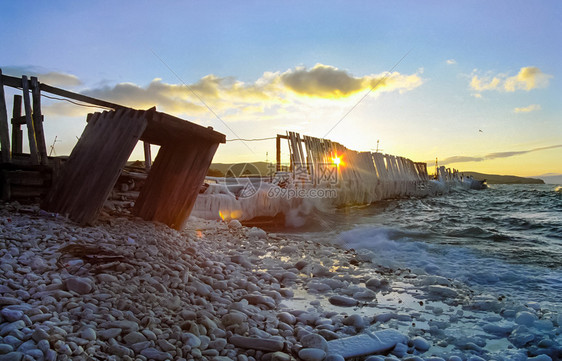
396 248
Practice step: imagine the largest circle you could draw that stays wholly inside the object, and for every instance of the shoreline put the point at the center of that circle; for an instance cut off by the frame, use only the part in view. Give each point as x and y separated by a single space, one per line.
130 289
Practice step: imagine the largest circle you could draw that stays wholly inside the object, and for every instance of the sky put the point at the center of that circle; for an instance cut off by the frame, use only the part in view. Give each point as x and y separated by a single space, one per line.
476 84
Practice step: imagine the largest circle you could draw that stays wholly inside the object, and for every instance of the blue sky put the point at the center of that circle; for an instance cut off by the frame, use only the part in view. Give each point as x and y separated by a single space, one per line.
267 67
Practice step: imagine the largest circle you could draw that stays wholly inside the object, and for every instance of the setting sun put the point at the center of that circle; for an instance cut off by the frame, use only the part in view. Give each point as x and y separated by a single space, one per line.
336 160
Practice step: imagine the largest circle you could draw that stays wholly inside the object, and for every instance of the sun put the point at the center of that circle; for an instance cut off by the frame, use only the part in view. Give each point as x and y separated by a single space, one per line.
336 160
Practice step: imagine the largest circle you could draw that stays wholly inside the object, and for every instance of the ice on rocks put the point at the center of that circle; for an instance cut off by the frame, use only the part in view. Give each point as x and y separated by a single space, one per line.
366 343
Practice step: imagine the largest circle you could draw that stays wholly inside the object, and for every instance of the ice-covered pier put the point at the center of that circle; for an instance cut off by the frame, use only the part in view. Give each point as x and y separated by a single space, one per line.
322 174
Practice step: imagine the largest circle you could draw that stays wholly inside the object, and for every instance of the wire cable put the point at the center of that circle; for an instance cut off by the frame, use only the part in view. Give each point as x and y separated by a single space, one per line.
198 97
75 103
250 140
369 92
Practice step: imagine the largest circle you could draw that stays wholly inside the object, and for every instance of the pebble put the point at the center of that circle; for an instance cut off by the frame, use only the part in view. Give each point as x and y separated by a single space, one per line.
79 285
256 343
152 353
220 292
420 344
312 354
342 301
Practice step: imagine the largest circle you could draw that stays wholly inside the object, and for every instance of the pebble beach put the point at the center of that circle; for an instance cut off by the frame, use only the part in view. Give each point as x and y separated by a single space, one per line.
127 289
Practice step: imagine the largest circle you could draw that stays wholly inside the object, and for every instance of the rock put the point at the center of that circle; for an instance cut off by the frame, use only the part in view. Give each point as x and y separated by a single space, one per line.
6 328
280 356
79 285
134 337
334 357
314 340
420 344
190 340
5 348
152 353
11 315
287 318
400 350
260 300
233 318
342 301
256 233
354 320
256 343
88 333
6 301
138 347
234 224
312 354
441 292
166 346
11 356
109 333
525 318
126 326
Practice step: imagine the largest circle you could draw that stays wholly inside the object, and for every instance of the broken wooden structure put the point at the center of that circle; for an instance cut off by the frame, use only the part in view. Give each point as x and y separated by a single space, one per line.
79 187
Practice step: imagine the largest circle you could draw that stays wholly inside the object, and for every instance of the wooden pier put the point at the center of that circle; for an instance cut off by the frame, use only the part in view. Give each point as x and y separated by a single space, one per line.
79 187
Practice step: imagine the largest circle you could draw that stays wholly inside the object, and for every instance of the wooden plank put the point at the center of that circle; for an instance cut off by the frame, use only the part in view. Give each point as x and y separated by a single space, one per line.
38 121
29 121
4 129
17 134
173 183
164 128
95 164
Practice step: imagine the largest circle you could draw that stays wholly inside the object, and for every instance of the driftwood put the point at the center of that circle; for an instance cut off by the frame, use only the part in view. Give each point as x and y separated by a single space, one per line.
91 254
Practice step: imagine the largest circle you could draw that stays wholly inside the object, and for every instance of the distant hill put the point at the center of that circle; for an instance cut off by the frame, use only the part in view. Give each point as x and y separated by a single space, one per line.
551 178
503 179
251 168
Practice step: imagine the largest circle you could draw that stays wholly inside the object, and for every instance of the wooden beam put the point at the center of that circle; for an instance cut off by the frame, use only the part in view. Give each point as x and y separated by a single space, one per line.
80 97
38 120
278 153
17 83
29 121
4 129
147 156
17 136
164 128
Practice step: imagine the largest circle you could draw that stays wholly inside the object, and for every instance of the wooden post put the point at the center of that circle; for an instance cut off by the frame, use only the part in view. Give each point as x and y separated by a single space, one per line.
4 130
38 120
17 134
278 152
29 121
147 156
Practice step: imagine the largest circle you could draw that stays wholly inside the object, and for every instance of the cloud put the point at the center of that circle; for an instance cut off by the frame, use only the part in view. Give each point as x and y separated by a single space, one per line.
231 97
528 78
530 108
451 61
490 156
481 84
325 81
54 78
